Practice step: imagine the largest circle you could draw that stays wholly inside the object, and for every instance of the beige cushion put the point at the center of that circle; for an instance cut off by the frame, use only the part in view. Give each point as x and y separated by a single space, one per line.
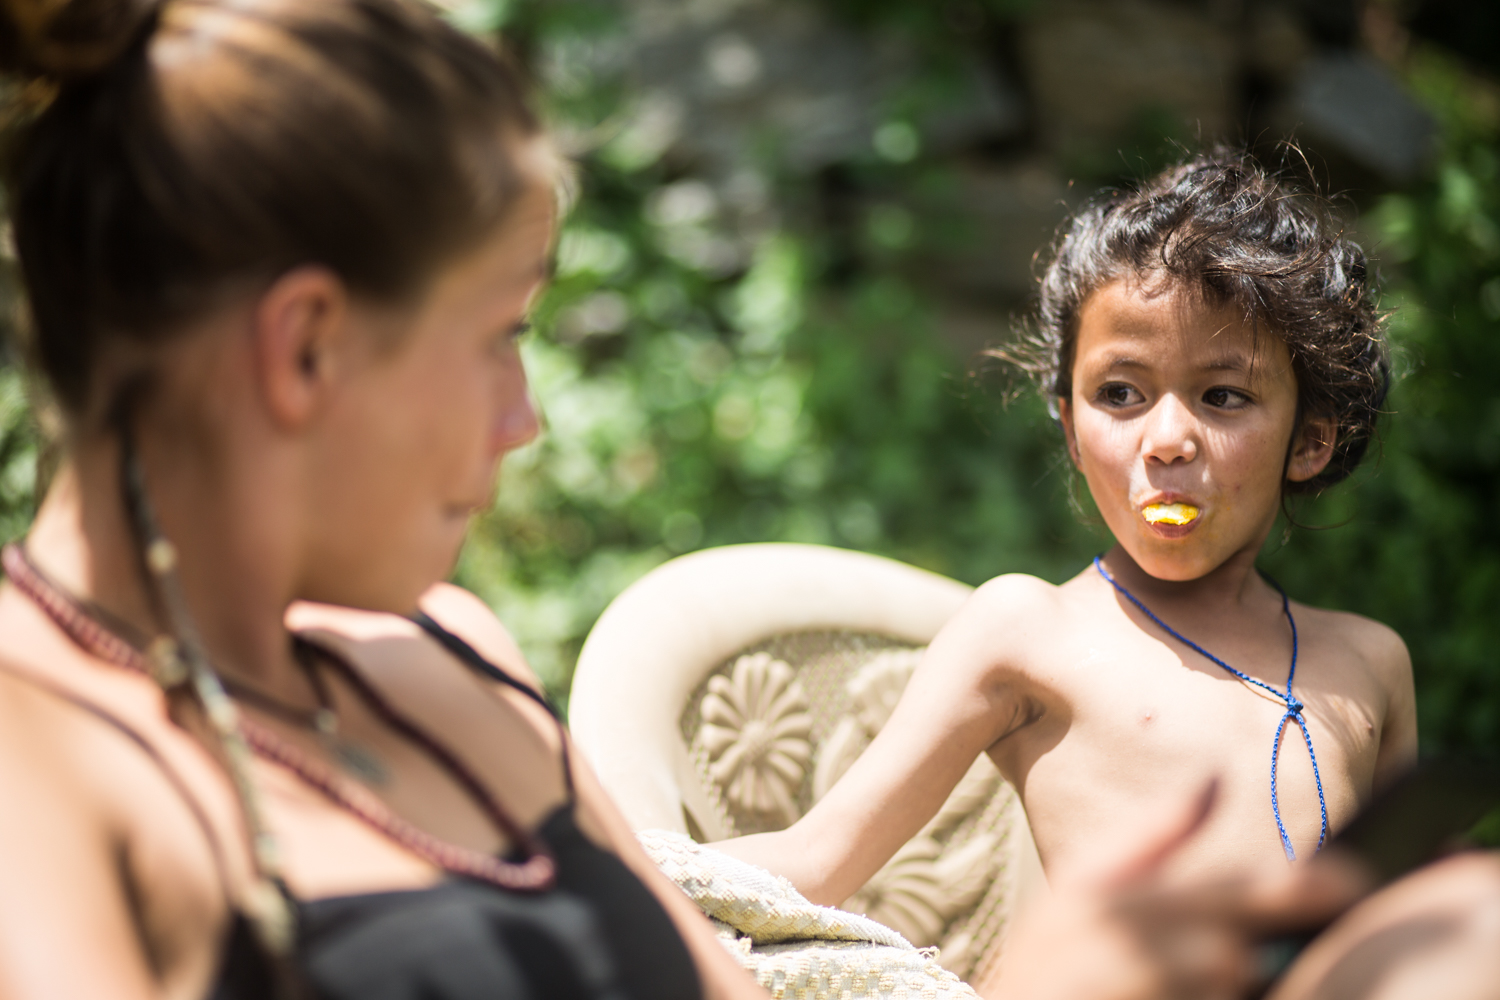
793 948
725 692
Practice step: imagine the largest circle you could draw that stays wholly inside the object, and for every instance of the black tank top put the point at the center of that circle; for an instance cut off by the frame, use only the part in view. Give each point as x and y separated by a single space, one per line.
597 934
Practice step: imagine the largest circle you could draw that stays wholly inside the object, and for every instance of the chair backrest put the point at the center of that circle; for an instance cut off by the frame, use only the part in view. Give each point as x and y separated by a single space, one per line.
725 691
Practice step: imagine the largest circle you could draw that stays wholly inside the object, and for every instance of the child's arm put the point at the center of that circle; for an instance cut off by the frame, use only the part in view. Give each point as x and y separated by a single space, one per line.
1398 731
964 697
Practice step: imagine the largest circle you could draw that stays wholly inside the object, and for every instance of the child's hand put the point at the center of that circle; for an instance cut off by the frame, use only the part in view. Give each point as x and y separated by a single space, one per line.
1120 931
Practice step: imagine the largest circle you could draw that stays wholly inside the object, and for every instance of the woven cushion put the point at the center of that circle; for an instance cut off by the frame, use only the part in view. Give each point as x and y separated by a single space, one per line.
793 948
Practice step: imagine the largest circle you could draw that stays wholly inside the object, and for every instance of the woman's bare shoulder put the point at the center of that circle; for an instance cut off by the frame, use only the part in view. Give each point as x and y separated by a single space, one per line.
455 609
99 823
45 720
34 725
56 756
462 612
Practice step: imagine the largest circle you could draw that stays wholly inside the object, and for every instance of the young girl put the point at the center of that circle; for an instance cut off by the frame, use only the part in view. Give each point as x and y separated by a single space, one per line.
1212 346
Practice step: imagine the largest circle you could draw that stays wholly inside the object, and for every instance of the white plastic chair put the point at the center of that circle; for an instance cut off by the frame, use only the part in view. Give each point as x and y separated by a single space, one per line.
726 690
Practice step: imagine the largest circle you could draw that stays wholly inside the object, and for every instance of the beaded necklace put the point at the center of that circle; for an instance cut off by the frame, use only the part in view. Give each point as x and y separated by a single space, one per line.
536 873
1294 708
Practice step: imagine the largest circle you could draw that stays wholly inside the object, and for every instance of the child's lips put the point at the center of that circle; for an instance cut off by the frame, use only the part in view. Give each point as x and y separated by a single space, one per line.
1171 518
1178 513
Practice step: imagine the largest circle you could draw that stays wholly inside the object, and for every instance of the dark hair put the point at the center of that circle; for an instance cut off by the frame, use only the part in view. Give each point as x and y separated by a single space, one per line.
184 147
1221 224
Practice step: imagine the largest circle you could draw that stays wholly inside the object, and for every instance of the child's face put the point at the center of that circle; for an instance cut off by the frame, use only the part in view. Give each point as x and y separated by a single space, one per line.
1176 401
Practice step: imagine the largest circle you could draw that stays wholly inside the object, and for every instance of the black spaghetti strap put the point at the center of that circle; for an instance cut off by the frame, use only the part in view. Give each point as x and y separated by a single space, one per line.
485 667
154 755
478 663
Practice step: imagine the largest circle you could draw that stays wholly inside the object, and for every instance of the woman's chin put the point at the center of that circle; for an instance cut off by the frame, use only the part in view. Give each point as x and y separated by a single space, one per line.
385 586
384 600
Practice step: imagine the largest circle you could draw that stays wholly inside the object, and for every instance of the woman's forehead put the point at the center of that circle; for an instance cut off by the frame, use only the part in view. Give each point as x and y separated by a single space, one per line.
514 255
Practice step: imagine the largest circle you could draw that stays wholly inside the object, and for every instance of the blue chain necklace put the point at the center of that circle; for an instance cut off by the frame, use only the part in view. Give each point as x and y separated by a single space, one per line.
1293 706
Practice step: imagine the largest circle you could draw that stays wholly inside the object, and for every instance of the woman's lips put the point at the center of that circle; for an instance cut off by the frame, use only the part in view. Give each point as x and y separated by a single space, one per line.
462 511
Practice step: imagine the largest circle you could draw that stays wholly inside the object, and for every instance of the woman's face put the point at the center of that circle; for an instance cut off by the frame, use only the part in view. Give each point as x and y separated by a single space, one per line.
412 445
1176 401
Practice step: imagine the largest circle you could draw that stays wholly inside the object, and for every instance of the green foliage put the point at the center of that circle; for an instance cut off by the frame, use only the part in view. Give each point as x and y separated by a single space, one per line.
839 416
808 398
1421 551
713 373
18 455
1487 831
802 394
935 25
763 405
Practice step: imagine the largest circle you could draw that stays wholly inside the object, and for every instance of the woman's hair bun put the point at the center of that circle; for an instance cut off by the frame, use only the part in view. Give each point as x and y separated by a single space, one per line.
64 40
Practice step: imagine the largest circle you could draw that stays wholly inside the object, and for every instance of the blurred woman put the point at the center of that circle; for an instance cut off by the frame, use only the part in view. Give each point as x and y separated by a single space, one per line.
278 255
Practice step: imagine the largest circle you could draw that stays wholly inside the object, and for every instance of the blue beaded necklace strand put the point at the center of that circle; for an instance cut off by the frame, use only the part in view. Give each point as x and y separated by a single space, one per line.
1293 706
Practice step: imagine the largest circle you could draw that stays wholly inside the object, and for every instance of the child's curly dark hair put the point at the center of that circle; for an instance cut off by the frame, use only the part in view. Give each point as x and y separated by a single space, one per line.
1221 223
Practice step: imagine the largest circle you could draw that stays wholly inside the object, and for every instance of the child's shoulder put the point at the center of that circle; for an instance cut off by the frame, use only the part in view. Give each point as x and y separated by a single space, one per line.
1375 644
1000 624
1010 603
1020 592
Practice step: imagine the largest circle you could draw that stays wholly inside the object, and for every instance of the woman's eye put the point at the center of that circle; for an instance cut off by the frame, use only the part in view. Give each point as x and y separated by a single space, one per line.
510 336
1119 394
1223 398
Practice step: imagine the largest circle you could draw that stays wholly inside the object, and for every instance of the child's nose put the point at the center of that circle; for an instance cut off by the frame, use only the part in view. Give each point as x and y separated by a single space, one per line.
1171 432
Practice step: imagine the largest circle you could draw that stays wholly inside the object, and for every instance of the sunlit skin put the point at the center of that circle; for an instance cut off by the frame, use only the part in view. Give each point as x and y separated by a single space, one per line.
1089 709
1179 404
300 444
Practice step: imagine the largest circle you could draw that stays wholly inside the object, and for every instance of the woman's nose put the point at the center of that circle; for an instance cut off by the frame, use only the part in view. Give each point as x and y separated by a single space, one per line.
1171 432
518 423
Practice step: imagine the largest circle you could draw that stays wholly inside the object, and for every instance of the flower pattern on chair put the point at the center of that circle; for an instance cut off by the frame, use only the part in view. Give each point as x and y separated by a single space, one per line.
756 730
941 874
751 737
873 693
922 888
926 884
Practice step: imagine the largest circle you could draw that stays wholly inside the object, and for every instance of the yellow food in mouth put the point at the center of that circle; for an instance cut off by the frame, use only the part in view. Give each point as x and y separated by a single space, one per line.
1170 513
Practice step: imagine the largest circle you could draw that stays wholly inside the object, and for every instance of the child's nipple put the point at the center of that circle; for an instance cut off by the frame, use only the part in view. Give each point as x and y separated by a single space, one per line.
1170 513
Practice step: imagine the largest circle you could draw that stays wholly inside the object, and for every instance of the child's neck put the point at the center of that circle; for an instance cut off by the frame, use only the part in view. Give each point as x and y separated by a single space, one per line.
1228 586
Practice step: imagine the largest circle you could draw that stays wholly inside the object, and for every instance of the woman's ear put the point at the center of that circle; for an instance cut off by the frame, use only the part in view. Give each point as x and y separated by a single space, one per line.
1312 448
297 325
1065 417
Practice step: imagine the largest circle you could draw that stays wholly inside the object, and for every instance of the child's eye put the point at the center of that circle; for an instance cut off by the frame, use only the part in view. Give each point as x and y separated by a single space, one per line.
1119 394
1223 398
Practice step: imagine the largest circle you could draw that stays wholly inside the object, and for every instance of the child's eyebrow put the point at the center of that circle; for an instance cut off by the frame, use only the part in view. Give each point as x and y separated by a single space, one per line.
1113 361
1229 363
1223 363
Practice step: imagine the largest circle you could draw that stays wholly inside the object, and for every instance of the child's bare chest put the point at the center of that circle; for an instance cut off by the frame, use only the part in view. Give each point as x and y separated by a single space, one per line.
1127 718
